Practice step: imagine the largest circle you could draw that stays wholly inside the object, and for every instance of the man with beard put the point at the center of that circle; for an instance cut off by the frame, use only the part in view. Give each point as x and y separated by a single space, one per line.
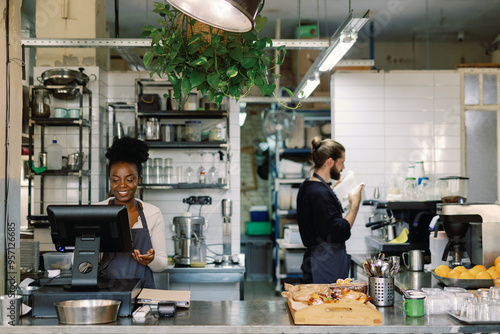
322 228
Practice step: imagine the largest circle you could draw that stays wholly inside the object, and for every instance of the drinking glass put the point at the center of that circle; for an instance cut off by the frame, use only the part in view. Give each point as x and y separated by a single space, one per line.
201 170
189 172
213 172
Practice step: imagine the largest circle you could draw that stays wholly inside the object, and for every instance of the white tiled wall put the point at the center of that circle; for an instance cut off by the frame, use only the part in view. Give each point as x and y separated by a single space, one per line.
388 120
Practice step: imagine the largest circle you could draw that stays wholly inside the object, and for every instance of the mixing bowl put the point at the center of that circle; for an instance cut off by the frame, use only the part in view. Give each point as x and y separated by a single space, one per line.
87 311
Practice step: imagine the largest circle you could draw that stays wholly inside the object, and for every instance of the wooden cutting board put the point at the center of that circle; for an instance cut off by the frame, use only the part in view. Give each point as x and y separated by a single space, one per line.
347 312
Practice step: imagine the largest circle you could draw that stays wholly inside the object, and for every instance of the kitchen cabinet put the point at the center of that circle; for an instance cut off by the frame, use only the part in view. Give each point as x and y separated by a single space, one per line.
210 136
82 124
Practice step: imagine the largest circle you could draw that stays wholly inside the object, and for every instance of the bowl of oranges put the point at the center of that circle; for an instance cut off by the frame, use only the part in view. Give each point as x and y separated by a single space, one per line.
474 278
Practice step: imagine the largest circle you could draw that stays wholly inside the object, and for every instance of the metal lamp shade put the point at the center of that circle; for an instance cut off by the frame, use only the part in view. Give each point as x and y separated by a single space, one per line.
230 15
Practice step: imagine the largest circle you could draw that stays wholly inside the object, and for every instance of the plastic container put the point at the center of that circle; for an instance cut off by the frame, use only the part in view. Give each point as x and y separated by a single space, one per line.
438 304
259 213
61 261
167 132
54 156
291 234
293 261
259 228
437 244
193 131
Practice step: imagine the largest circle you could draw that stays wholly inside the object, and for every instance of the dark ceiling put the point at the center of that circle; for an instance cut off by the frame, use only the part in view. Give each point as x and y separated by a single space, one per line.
394 20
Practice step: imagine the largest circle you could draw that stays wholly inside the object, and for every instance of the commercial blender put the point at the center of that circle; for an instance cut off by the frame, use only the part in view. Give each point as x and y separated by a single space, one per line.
189 239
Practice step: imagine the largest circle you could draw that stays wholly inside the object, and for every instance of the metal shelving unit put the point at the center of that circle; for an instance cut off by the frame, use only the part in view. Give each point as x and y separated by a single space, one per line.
81 123
208 116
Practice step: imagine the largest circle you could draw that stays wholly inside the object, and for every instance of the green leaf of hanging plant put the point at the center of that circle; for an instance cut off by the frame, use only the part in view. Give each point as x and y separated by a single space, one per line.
288 91
221 49
248 62
193 48
200 61
249 36
148 57
197 77
260 23
173 79
236 54
186 87
232 71
213 80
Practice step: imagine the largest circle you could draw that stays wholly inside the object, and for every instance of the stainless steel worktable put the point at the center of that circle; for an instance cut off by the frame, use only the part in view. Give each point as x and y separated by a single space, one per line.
269 316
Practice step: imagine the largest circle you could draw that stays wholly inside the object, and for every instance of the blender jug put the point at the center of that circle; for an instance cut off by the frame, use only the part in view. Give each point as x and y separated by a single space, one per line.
454 189
198 252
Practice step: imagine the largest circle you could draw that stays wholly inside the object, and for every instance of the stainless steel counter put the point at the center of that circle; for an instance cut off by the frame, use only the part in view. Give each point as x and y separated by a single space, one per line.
269 316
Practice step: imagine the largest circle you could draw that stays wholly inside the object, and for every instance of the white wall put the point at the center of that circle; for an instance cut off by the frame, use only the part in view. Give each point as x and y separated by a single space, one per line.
388 120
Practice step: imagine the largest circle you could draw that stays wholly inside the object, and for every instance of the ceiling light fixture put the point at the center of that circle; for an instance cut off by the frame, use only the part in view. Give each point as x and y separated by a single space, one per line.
309 86
340 42
230 15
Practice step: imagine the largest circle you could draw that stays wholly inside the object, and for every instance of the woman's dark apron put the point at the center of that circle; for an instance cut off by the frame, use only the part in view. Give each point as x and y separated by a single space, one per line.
326 261
123 265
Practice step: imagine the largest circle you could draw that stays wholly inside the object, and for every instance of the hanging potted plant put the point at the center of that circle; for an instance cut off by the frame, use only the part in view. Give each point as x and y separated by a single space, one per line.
193 55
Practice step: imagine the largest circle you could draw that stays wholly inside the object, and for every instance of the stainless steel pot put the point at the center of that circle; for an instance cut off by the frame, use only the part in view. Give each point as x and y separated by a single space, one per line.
64 76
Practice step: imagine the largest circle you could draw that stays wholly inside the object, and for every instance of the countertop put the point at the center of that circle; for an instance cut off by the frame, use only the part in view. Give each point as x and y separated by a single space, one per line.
266 316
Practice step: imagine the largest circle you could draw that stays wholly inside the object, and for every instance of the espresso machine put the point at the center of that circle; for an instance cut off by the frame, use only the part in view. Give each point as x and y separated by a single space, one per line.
189 239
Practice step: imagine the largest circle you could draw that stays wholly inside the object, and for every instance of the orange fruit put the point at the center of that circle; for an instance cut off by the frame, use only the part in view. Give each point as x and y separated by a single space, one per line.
466 275
497 267
474 271
497 260
480 267
460 268
443 270
454 274
484 275
493 272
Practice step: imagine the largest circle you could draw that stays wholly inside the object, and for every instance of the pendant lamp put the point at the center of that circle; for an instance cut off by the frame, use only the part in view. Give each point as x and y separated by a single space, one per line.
230 15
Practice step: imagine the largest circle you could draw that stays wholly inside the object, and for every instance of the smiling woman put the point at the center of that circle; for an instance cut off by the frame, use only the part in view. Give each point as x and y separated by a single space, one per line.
125 157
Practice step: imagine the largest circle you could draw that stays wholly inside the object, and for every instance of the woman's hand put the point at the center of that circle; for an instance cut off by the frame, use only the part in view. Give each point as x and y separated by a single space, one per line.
144 259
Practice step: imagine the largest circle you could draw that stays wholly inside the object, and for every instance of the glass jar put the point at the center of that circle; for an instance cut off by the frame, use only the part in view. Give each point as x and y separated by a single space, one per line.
153 129
193 131
215 134
41 103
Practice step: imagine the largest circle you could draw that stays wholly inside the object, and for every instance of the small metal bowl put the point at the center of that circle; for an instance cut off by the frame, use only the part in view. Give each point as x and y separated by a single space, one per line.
87 311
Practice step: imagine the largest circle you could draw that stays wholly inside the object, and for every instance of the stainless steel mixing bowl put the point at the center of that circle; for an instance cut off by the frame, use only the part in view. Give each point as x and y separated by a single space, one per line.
87 311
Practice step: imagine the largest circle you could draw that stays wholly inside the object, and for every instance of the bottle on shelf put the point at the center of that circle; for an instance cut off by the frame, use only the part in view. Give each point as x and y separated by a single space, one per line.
54 156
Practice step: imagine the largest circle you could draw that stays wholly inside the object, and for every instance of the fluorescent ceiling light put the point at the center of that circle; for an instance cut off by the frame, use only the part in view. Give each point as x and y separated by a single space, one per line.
243 117
309 86
340 42
229 15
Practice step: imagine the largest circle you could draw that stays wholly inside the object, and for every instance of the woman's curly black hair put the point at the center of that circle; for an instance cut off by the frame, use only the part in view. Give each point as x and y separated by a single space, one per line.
129 150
